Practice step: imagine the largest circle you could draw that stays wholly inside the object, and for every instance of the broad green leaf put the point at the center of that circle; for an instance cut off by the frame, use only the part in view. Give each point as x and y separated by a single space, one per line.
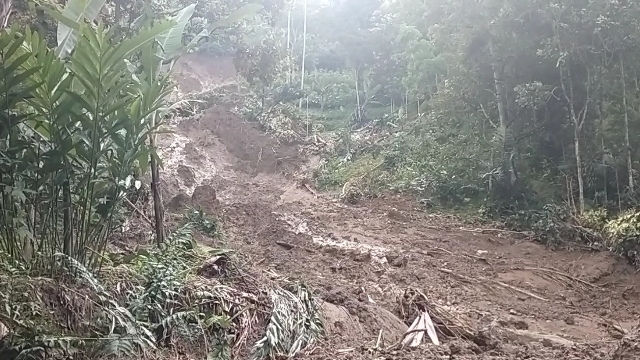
146 16
77 11
171 41
145 37
246 10
196 39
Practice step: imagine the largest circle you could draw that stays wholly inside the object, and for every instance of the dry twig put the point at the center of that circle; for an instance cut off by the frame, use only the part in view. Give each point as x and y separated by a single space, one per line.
511 287
565 275
135 208
483 231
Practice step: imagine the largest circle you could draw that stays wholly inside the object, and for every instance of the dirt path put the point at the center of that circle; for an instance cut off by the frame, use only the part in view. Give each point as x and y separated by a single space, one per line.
531 302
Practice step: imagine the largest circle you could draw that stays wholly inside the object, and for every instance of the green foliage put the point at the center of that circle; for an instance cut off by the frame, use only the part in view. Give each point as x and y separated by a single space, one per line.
623 235
81 307
74 13
155 297
549 224
294 324
331 89
336 172
502 105
76 124
74 133
203 222
595 219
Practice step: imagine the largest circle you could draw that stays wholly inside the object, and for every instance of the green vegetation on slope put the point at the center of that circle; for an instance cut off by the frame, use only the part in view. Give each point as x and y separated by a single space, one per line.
78 120
525 111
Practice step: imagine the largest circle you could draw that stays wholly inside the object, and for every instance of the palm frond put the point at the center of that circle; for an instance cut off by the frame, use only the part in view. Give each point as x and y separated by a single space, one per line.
294 325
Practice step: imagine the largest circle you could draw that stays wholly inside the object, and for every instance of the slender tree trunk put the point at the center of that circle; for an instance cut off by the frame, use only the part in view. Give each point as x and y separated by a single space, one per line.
606 169
601 132
508 171
67 247
569 183
576 144
577 120
118 19
357 76
304 50
158 209
618 189
626 127
289 47
5 13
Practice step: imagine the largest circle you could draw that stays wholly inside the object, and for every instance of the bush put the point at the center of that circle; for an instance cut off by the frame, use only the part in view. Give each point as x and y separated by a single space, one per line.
595 219
623 235
331 89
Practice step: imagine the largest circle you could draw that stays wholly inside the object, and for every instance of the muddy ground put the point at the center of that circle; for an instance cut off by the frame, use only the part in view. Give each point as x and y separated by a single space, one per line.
520 299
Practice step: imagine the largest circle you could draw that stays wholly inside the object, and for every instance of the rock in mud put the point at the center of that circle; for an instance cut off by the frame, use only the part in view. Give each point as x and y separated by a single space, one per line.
515 323
205 197
178 202
397 216
400 261
525 337
376 318
187 175
362 256
393 328
570 320
338 321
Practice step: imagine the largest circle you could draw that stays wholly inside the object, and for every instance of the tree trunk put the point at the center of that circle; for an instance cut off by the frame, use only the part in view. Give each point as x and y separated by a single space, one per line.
358 115
67 246
577 121
5 13
576 144
158 209
508 171
289 75
304 50
626 128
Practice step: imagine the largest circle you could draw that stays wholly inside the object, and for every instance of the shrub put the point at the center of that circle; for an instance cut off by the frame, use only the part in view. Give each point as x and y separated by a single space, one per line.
595 219
623 235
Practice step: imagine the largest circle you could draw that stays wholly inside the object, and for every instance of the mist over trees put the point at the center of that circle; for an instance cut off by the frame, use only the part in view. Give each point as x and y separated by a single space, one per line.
509 106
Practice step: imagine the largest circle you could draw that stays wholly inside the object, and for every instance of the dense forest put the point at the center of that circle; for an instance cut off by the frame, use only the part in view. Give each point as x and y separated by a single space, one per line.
526 111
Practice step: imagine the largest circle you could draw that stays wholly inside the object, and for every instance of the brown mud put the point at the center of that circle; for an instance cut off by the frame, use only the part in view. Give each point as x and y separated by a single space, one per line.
522 300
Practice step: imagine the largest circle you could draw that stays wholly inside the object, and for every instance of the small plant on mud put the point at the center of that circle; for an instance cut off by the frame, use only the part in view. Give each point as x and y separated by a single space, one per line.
203 222
549 224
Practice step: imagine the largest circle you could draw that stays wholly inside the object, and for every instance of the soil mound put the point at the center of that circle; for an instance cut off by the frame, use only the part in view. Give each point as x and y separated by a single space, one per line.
338 321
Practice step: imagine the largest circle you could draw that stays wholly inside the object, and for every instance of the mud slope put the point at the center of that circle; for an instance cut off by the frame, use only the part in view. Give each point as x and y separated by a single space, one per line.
521 300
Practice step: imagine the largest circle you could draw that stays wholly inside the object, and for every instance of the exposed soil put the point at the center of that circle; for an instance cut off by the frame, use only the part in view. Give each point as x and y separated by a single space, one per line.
522 300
